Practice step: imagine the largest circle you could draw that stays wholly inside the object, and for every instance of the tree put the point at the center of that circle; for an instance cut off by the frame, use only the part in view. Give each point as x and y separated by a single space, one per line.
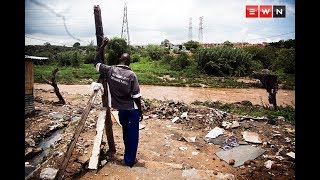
77 44
116 47
228 43
191 45
165 43
47 44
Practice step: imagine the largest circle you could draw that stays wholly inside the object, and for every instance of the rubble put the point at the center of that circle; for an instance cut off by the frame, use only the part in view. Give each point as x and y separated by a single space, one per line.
252 137
240 154
215 132
48 173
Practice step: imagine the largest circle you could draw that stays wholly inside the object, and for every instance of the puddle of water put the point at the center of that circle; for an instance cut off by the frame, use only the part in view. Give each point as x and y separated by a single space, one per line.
45 144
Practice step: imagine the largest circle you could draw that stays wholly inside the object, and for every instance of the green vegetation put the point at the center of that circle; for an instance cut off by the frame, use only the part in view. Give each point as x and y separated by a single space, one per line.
246 108
160 65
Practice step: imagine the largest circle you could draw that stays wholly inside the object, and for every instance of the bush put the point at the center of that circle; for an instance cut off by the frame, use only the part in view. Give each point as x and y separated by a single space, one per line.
89 57
224 61
68 58
181 62
156 52
135 58
116 47
285 60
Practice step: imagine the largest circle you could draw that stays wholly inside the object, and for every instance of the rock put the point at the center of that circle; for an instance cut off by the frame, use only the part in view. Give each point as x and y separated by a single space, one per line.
175 119
275 166
103 162
234 124
281 118
247 162
56 115
268 164
215 132
194 153
184 115
226 176
29 142
291 154
183 148
231 162
48 173
251 137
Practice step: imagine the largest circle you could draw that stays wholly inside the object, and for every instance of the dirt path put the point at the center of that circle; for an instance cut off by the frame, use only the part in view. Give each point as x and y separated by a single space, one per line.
190 94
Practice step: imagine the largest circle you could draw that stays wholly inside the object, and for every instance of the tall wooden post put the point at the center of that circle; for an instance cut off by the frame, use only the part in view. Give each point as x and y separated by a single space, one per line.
108 122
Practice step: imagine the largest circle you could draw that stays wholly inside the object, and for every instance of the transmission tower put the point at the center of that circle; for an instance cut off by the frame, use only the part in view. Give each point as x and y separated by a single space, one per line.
200 35
190 29
125 27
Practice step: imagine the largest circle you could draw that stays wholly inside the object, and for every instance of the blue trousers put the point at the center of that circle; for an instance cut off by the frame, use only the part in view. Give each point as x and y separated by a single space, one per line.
129 119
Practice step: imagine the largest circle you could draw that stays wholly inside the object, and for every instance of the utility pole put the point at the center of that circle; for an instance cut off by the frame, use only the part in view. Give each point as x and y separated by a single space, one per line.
200 35
125 27
108 122
190 29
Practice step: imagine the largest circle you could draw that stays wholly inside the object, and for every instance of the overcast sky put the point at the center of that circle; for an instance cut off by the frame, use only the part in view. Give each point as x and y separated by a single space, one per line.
64 22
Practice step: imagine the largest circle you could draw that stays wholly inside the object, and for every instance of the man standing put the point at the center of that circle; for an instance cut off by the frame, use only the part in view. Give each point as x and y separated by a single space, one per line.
123 87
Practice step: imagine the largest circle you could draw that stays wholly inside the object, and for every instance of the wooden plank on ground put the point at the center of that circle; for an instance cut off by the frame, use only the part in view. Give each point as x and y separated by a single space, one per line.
75 137
94 159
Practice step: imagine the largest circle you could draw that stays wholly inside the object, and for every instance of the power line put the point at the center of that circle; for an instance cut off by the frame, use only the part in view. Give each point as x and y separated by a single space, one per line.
272 36
58 15
43 40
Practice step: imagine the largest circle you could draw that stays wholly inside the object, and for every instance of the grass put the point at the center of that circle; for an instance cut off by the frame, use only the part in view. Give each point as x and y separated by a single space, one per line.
152 73
246 108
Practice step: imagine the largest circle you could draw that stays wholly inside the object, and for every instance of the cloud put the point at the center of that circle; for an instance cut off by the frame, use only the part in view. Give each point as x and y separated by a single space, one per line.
152 21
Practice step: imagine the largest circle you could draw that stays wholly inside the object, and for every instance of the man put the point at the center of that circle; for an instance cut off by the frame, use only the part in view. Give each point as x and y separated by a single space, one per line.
125 94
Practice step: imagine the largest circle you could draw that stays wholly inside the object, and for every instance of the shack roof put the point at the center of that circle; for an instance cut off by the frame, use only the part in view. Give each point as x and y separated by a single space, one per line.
35 57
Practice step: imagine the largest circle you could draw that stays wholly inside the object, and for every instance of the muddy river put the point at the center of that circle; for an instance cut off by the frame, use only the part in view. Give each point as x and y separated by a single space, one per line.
190 94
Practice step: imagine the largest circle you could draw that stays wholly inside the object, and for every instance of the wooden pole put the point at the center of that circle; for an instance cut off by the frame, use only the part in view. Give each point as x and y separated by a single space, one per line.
75 137
108 122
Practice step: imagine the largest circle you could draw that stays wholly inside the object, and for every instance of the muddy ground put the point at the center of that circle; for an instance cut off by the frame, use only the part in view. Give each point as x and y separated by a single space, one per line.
160 142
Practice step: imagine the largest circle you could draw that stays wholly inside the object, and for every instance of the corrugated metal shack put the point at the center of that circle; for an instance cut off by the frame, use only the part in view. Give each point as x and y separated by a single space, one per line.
29 82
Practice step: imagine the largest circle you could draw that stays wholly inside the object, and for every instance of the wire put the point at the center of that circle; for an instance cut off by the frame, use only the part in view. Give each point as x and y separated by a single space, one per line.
271 36
57 14
44 40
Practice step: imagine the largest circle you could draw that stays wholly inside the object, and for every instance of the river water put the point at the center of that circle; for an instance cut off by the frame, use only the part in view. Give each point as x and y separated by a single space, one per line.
190 94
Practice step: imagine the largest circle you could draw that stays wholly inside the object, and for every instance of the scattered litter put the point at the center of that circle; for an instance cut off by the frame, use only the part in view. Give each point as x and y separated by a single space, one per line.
268 164
103 162
195 153
175 119
281 148
183 148
230 143
291 154
184 115
234 124
240 154
287 139
192 139
226 176
145 117
290 130
153 116
48 173
217 141
141 126
214 133
251 137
